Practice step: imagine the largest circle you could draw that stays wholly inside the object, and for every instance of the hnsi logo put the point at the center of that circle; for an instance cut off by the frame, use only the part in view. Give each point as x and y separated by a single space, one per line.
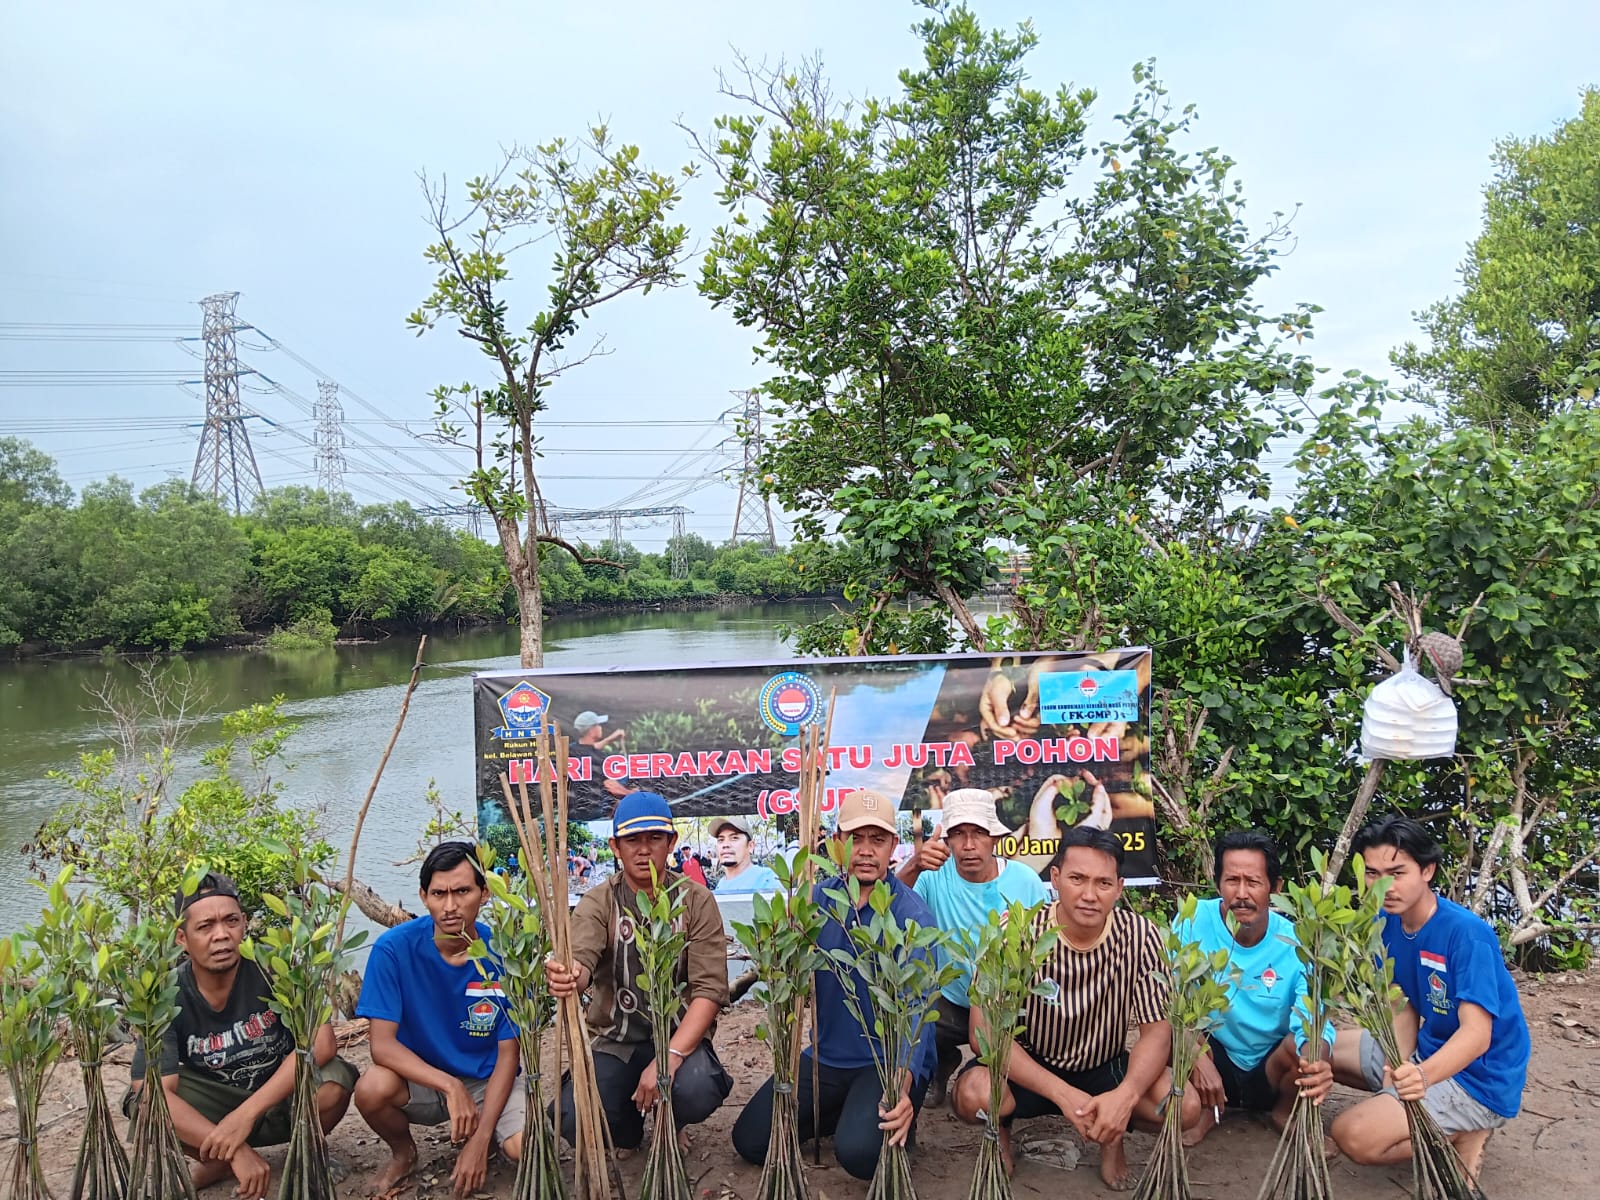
524 707
788 701
1088 686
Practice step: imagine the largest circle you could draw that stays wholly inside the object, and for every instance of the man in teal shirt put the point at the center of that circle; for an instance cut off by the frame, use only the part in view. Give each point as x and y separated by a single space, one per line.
1253 1060
736 852
958 875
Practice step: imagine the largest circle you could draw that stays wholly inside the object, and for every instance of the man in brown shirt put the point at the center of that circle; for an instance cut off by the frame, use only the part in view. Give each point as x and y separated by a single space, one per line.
1104 973
605 963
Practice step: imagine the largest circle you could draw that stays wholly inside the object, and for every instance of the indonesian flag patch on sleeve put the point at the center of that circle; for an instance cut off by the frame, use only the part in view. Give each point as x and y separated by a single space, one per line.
1433 962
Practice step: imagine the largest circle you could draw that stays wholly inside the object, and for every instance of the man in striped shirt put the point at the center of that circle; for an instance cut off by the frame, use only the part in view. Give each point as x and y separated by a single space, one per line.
1104 973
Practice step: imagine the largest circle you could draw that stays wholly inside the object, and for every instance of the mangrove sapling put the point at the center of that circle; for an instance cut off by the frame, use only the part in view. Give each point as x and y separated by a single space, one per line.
1199 987
146 970
301 958
521 945
1324 922
900 968
31 998
77 936
661 938
781 939
1006 961
1437 1172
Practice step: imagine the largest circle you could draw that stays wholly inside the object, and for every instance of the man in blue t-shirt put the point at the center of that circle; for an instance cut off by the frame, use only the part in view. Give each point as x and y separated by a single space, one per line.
1254 1059
443 1046
1462 1029
962 881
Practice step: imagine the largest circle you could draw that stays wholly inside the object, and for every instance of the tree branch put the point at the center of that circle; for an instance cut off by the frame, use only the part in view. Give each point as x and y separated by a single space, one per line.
584 559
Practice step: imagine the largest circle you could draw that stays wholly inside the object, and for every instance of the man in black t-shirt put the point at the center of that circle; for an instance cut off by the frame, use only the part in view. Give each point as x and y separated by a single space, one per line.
227 1064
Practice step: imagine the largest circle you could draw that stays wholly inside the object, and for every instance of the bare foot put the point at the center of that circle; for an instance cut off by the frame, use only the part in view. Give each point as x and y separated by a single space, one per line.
683 1140
401 1164
1114 1167
205 1174
1193 1135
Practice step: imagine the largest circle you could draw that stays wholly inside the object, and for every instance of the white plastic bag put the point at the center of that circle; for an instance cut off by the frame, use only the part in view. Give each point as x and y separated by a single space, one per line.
1407 716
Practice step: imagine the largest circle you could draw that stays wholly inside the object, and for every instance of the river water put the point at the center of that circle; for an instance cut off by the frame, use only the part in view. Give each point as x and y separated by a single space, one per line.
344 700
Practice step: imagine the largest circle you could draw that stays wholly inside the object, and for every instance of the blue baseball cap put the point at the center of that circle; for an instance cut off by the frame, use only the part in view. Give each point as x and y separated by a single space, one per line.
642 812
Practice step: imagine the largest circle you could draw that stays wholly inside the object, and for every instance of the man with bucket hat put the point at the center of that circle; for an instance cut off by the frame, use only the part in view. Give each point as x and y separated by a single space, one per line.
605 963
957 873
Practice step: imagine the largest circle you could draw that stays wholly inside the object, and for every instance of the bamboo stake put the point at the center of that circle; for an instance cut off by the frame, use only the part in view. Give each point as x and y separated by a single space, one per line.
812 782
545 858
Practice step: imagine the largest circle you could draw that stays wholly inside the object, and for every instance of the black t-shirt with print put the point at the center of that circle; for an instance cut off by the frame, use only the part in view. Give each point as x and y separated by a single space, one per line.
240 1045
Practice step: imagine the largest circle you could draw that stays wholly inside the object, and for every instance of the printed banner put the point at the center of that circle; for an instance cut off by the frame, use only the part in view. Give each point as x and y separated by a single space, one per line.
1058 739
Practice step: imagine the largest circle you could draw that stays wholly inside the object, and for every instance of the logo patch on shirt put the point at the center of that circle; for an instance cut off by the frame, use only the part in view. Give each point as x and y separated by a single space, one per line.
482 1016
1050 991
485 989
1268 978
1433 962
1438 996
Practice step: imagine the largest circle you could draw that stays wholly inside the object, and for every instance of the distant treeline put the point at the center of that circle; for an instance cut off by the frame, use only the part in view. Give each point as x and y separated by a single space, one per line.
168 568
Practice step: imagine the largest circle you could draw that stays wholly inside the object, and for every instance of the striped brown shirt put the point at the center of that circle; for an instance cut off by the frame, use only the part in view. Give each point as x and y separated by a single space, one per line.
1092 996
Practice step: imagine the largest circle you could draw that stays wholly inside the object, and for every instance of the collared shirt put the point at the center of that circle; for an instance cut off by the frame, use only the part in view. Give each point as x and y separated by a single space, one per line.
1090 997
841 1040
1269 998
603 929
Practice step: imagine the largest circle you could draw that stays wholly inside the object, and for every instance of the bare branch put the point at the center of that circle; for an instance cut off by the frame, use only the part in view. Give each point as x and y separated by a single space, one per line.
583 559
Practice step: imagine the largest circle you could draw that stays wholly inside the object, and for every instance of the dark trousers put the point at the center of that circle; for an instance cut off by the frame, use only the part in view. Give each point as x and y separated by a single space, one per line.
699 1086
951 1034
849 1109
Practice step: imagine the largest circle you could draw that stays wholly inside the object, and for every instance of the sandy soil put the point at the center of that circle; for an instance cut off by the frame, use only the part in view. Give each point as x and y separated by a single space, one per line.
1552 1150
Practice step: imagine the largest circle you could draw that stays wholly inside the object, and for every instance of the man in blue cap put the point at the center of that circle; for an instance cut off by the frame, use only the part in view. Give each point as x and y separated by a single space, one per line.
605 963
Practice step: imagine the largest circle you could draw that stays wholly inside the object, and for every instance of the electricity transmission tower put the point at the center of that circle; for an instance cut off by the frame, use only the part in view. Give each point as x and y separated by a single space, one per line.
752 516
330 438
614 519
224 465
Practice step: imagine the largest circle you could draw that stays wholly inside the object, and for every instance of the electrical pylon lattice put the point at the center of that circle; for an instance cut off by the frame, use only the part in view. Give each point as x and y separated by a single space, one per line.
752 516
330 438
224 465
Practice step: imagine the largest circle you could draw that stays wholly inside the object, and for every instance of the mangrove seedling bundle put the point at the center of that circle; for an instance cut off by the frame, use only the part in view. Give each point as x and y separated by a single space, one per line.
147 973
520 948
30 1001
781 940
1326 943
1199 989
77 936
1006 962
661 939
902 974
301 957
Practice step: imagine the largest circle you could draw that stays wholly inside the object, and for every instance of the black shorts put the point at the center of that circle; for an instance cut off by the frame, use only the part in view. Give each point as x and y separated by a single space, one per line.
1249 1090
1096 1081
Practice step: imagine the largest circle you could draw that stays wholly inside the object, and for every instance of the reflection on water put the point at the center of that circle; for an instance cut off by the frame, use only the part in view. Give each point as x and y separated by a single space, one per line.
345 700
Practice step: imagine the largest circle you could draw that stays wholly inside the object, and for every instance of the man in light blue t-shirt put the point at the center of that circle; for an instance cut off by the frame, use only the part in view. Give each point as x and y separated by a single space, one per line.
1254 1059
961 880
735 851
444 1048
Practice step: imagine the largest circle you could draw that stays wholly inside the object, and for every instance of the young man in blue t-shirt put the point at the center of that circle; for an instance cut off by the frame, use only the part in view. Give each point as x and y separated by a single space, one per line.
443 1046
1462 1028
958 875
1253 1060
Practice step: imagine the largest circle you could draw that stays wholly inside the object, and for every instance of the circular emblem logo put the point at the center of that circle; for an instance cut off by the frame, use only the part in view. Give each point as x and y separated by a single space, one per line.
1088 686
789 701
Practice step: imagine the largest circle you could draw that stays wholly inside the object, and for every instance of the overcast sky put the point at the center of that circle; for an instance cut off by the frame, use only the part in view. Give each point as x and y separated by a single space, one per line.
153 154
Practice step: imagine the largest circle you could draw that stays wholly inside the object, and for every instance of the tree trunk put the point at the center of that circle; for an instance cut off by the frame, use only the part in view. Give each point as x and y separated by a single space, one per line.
1352 823
963 615
530 608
